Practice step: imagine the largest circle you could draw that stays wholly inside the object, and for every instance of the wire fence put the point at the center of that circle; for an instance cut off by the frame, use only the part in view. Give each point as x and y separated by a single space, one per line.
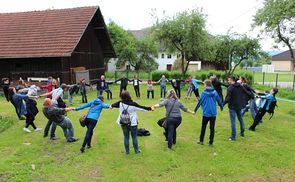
283 80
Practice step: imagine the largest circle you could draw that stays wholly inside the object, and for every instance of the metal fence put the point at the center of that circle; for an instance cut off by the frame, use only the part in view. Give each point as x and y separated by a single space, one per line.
284 80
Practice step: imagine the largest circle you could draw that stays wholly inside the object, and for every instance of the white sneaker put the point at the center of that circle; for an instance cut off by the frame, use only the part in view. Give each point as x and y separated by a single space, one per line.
38 129
27 130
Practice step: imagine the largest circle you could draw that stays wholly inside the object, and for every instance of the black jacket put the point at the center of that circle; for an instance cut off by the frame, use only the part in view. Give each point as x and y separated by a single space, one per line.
124 81
235 97
98 84
217 85
5 88
249 92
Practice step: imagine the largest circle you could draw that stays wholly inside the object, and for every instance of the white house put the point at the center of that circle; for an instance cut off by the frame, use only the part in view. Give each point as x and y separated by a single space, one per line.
165 60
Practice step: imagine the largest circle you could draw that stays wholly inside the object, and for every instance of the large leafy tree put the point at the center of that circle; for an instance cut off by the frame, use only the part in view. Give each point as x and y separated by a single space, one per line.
233 49
124 44
277 18
184 33
139 54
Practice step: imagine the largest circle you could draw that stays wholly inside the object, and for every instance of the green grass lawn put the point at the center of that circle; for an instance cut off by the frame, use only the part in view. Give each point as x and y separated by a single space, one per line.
271 77
265 155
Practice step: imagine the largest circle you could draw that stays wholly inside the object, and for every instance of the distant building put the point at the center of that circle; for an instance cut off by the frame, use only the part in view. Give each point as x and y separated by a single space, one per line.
54 43
164 59
282 61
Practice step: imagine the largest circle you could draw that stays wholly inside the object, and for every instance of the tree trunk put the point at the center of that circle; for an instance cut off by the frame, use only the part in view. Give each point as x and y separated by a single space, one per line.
182 64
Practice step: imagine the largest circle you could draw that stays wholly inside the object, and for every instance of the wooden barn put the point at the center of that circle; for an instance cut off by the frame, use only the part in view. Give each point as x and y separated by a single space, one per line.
54 43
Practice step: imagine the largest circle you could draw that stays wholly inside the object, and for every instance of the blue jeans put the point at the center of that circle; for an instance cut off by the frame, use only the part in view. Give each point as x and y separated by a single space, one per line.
91 123
126 131
99 92
67 128
253 108
172 124
53 128
232 114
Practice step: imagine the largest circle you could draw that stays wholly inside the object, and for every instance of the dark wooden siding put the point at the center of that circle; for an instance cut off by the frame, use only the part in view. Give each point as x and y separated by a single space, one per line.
30 67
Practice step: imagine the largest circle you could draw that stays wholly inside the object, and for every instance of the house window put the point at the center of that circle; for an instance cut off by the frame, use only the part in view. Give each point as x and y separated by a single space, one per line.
169 56
162 56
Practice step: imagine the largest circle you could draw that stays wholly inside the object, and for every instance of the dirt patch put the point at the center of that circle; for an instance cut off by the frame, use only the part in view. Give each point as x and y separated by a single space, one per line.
94 174
4 177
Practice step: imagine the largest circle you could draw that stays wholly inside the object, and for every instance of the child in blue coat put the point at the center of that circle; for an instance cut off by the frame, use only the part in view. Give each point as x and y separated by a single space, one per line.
208 100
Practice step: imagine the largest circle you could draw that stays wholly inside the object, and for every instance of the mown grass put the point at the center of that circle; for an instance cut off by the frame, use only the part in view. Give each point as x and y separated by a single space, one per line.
266 155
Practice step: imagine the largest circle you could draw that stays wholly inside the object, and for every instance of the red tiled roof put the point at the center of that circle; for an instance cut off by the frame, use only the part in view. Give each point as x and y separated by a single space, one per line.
50 33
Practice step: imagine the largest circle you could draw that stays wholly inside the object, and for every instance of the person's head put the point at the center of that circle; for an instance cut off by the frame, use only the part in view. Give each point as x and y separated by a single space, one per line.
163 76
149 81
243 79
231 80
125 96
100 97
207 83
5 80
194 77
64 87
190 77
21 82
50 78
135 77
173 80
47 102
82 80
171 94
274 91
102 77
54 82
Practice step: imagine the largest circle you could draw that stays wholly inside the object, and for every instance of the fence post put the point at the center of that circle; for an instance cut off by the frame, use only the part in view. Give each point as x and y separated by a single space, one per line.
253 77
277 76
127 73
293 83
263 76
115 75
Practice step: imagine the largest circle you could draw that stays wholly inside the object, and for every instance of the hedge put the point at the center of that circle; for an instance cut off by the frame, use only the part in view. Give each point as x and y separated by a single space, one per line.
202 75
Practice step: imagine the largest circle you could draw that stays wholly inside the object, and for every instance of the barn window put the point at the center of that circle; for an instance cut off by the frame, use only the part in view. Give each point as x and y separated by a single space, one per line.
169 56
163 55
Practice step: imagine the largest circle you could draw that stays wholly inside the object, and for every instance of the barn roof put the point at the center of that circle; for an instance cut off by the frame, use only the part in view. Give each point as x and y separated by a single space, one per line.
49 33
284 56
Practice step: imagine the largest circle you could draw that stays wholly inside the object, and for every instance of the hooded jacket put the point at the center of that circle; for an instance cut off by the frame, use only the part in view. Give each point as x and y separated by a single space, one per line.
208 100
235 97
96 106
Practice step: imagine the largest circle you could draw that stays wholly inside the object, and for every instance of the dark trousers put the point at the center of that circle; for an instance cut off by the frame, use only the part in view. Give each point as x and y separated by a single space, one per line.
163 91
148 93
126 131
109 94
136 89
204 125
18 115
47 127
122 87
177 90
172 124
30 120
84 97
196 92
99 92
90 123
261 112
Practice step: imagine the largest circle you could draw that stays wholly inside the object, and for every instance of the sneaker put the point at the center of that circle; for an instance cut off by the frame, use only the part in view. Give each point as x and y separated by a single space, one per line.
251 129
45 135
88 146
210 144
38 129
243 135
231 139
27 130
72 140
53 138
138 152
22 118
200 143
82 149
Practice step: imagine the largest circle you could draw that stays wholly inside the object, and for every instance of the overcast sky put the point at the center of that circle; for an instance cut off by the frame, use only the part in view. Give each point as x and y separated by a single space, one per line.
222 15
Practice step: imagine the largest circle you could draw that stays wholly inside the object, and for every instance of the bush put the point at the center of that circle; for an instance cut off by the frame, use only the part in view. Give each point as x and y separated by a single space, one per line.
6 122
156 75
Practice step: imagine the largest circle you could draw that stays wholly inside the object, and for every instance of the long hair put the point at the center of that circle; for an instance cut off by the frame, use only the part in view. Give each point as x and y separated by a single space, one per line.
125 96
171 94
243 79
10 93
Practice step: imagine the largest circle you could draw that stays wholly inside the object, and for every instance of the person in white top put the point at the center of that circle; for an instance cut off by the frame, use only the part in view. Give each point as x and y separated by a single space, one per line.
126 104
136 85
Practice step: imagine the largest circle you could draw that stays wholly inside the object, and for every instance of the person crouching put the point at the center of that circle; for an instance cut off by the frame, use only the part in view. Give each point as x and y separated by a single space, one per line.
57 115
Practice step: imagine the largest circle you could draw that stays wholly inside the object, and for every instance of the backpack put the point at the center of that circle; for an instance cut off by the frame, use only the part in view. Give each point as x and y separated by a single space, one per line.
143 132
124 116
271 108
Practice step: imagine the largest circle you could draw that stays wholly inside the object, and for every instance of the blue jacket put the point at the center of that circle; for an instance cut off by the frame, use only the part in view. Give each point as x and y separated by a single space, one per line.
267 99
208 100
96 106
